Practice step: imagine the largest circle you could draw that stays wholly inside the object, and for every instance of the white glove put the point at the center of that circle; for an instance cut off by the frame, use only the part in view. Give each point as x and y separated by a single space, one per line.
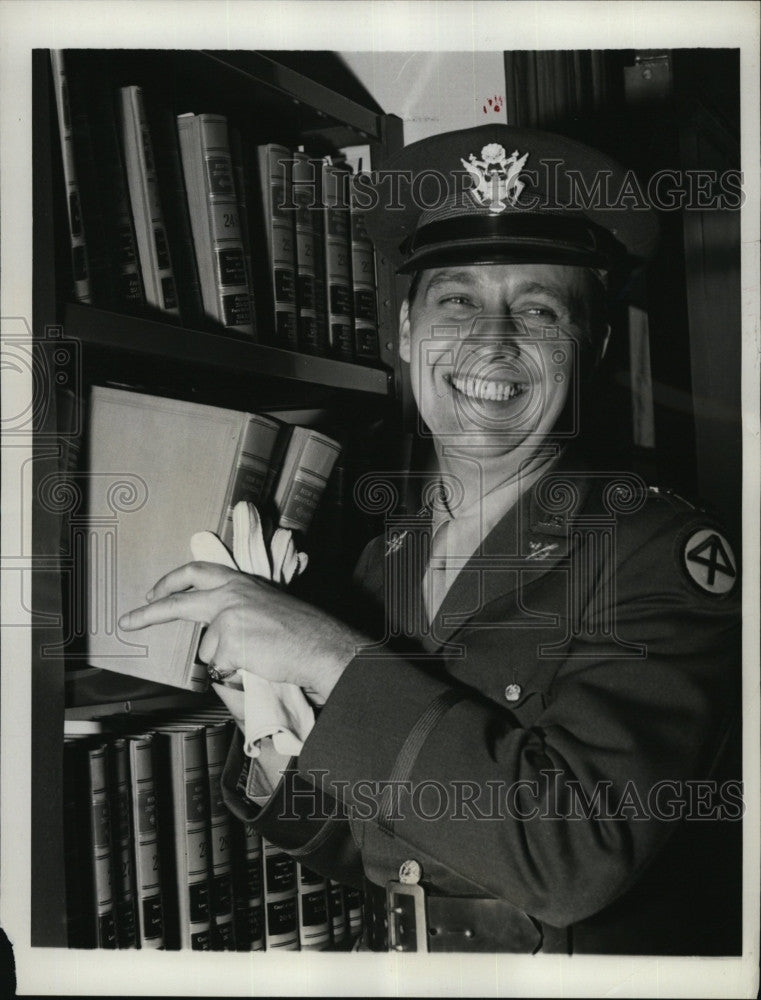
260 707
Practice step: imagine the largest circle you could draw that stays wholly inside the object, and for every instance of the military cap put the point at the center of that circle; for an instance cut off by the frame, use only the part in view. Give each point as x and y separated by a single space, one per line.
501 194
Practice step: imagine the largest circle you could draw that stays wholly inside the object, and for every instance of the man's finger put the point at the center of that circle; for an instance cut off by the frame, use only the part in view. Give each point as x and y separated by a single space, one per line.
191 606
201 575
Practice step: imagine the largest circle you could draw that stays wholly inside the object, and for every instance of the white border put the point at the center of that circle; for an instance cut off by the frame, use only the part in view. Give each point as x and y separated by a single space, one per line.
376 26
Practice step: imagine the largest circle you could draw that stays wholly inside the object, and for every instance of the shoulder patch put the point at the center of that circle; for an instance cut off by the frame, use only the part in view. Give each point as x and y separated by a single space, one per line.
709 561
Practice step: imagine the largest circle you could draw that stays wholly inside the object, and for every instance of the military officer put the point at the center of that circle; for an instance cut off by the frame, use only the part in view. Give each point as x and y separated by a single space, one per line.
532 747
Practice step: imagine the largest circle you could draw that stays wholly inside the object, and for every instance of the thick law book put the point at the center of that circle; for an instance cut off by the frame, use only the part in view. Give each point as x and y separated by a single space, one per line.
123 847
314 921
281 904
336 221
77 240
312 333
215 217
112 247
145 202
336 912
248 887
143 815
183 794
366 342
308 462
280 238
353 905
91 916
160 470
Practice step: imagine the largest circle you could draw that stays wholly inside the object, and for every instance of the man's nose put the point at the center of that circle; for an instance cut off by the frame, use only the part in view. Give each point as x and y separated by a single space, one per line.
499 335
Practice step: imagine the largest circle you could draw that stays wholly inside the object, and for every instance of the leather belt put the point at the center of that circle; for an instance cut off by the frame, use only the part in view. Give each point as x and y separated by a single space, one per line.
407 918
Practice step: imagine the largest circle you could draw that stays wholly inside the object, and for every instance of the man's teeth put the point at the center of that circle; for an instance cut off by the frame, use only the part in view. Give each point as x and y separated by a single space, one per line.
481 388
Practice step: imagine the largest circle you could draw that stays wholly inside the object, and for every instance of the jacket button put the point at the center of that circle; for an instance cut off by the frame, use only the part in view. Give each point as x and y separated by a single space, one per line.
512 692
410 872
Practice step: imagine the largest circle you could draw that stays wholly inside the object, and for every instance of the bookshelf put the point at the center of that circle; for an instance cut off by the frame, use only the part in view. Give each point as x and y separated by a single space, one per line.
87 344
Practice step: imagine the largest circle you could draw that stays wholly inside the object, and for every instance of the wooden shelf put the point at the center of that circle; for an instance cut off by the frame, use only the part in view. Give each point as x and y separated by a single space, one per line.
195 347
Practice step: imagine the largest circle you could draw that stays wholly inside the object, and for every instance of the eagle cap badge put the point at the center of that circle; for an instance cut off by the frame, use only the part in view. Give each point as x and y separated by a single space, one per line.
497 176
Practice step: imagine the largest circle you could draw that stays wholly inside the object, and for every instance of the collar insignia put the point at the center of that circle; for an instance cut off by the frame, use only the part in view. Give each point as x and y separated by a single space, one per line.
497 177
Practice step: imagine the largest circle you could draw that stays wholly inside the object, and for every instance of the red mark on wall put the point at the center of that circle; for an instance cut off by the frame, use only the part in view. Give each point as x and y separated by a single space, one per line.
493 104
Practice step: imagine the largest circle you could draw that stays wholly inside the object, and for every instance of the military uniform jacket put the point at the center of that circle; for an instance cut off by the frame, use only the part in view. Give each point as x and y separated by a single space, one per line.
575 697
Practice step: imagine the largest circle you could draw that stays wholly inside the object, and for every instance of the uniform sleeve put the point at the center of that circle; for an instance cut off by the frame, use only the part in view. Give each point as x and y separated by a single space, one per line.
430 768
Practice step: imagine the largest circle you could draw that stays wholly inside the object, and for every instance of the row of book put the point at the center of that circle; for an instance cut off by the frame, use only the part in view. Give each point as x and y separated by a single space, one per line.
188 216
154 859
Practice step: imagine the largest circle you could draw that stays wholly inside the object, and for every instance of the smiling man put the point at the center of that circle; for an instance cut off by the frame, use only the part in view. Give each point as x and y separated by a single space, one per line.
541 759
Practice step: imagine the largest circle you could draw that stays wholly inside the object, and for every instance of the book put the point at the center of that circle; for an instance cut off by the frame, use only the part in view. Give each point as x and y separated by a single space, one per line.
336 912
281 924
308 462
145 203
280 240
187 465
143 815
215 217
162 125
336 221
87 844
183 796
123 848
312 335
243 191
364 282
248 887
76 232
314 922
353 903
112 246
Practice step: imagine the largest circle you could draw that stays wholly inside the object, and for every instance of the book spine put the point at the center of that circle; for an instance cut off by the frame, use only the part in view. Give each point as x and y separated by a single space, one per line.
147 215
312 337
248 888
86 781
281 243
281 923
220 834
365 292
188 923
314 923
243 194
215 221
308 463
145 836
253 471
353 900
336 221
123 879
336 912
79 254
162 124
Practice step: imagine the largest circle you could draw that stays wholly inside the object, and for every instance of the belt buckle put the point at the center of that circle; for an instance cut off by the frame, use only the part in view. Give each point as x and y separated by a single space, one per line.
407 925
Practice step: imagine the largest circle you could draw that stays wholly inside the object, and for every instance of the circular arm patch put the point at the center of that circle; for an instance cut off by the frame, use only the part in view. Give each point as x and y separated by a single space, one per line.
709 561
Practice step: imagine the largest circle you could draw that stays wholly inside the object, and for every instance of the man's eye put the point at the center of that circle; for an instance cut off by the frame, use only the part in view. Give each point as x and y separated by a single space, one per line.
456 300
546 313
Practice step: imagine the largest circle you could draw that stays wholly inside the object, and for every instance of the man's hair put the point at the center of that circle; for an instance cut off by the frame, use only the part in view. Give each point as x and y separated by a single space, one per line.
597 284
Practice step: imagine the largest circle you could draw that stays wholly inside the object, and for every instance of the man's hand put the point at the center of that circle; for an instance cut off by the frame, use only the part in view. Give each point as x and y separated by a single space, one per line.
252 625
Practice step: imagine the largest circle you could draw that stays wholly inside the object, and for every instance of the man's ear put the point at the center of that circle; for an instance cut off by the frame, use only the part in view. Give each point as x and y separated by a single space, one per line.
404 332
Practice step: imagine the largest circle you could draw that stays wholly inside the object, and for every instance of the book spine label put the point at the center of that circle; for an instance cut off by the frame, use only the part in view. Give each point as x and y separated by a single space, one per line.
142 182
280 899
122 847
79 255
363 278
312 337
281 241
144 817
314 923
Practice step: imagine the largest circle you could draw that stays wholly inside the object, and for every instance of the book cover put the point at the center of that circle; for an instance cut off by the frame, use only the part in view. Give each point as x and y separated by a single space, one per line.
336 912
145 203
312 335
336 221
314 922
215 218
281 909
308 462
248 887
160 470
364 282
143 814
123 847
